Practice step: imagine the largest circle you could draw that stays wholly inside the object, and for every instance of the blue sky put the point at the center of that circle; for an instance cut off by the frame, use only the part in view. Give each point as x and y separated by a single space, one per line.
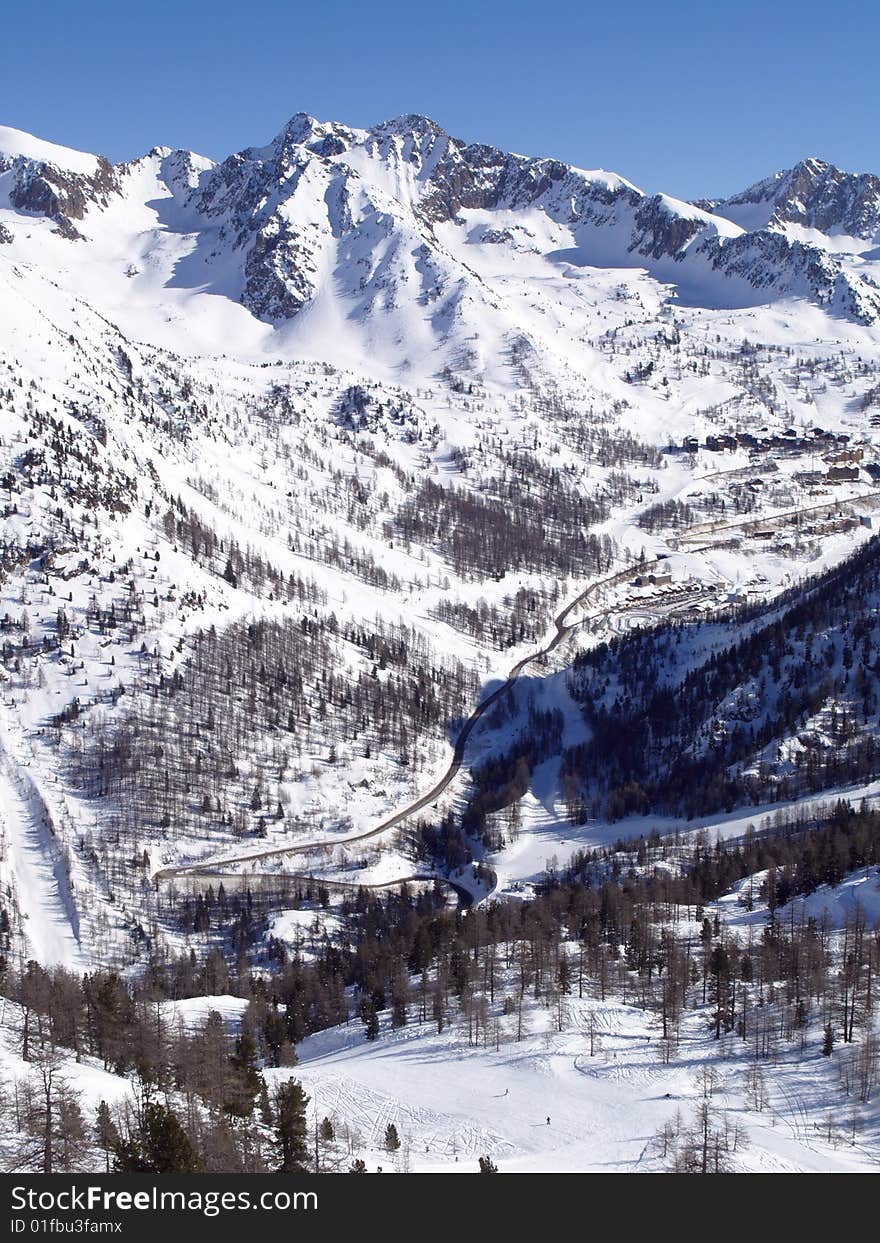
690 98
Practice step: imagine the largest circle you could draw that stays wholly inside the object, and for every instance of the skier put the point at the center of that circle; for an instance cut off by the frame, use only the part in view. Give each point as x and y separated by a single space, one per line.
548 1119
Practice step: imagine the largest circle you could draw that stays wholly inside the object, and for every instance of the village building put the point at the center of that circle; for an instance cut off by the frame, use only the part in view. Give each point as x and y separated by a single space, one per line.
843 474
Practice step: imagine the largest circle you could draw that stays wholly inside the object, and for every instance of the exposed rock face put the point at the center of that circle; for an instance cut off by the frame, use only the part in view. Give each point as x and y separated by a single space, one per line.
769 261
480 177
441 177
814 194
57 193
279 273
278 204
660 232
366 210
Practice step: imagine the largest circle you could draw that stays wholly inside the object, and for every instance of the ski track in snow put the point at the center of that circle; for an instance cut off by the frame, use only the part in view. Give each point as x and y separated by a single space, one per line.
35 861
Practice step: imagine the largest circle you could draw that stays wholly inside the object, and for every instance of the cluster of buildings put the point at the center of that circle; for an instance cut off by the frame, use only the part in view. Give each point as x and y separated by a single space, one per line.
662 578
815 438
843 460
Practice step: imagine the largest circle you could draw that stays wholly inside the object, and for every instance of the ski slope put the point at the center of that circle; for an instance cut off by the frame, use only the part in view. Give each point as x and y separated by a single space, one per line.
34 867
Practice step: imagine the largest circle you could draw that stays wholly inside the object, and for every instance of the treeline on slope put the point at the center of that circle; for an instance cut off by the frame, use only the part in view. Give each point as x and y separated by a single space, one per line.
224 558
590 433
521 618
799 850
667 515
66 462
535 521
357 410
615 923
123 617
678 730
198 1102
208 746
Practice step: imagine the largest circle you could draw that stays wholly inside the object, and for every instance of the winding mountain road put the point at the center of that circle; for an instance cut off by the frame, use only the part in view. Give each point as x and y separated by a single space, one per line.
561 629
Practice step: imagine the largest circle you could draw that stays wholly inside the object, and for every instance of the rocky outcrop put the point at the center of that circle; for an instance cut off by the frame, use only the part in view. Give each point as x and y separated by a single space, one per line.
814 194
279 273
59 194
660 232
363 208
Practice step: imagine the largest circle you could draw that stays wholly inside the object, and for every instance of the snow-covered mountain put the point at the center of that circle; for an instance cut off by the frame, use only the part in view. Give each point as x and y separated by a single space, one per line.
404 225
813 194
400 414
377 508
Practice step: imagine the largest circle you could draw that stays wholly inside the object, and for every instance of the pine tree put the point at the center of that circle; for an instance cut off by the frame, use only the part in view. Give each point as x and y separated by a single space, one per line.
245 1081
564 976
72 1139
392 1139
163 1147
276 1037
105 1132
488 1166
291 1129
370 1019
828 1042
398 1006
53 1119
265 1107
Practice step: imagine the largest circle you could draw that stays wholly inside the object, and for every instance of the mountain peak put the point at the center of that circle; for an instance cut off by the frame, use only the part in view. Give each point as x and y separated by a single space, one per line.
16 144
813 194
812 166
409 124
304 130
302 126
